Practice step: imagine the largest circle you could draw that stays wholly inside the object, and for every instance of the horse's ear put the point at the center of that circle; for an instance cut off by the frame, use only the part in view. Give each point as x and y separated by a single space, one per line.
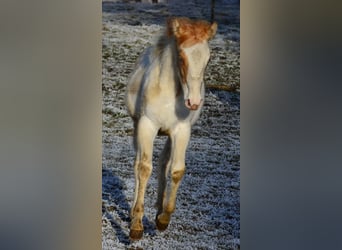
172 27
213 29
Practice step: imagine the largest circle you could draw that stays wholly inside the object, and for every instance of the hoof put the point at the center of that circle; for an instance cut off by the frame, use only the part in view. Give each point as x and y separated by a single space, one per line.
160 225
135 234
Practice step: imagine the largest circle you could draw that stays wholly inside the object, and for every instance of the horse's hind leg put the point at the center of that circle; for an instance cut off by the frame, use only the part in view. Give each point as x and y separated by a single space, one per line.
179 141
146 133
163 169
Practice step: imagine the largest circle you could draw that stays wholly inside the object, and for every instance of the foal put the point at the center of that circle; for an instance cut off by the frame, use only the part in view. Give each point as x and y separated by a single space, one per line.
165 96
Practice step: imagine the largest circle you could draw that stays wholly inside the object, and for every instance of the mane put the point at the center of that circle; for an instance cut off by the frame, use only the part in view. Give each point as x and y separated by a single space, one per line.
167 44
162 43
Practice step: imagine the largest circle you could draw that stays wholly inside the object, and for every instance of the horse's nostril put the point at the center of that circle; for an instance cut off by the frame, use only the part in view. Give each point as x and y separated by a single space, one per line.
194 106
191 106
188 103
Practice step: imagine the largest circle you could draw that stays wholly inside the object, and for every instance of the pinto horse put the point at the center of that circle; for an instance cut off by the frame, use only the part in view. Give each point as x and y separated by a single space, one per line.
165 96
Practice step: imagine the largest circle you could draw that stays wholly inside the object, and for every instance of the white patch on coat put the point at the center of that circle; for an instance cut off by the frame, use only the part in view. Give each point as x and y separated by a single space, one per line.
198 57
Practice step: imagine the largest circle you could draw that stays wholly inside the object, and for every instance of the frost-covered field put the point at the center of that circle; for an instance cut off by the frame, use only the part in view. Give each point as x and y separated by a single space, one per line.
207 214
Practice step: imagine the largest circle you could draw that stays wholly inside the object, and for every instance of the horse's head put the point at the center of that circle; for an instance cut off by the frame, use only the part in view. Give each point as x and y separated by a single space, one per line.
192 44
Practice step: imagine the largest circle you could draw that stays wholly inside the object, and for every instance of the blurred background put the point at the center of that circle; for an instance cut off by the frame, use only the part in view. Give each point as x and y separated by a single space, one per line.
51 113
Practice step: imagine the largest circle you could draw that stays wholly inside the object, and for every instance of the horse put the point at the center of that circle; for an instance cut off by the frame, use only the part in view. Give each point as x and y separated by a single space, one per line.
164 96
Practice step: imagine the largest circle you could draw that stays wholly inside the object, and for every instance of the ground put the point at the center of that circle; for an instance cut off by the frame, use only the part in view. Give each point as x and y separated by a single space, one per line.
208 202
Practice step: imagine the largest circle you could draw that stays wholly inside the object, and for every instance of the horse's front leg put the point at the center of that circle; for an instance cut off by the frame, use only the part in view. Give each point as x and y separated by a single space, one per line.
145 135
179 141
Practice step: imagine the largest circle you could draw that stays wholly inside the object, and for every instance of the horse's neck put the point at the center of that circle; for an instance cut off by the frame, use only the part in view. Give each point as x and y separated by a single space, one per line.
169 73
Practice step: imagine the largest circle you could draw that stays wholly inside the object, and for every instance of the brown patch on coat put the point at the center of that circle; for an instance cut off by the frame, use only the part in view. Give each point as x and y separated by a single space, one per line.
187 33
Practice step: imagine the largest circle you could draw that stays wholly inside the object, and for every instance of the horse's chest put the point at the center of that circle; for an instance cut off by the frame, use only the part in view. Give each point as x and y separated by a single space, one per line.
162 111
166 113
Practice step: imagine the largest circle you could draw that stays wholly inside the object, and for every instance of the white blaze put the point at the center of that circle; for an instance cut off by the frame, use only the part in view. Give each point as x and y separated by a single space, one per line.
197 56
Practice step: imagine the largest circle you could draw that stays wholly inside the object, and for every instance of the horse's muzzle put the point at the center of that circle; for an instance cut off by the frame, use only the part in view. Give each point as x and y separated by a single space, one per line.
191 106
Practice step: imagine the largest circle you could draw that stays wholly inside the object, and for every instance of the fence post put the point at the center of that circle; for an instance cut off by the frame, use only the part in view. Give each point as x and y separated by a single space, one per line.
212 11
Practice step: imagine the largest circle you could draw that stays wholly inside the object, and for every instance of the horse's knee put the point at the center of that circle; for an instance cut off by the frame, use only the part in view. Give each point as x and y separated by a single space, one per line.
145 168
177 175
